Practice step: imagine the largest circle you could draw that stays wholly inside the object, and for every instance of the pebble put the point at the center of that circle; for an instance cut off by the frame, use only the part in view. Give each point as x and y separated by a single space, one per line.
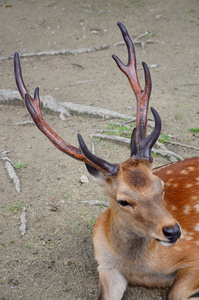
84 179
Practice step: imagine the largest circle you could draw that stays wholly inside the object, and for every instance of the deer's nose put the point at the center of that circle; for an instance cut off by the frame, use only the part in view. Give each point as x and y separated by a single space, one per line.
172 233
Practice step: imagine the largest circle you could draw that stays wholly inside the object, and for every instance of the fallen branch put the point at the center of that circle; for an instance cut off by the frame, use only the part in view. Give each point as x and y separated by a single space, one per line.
113 131
78 83
110 138
149 122
22 227
64 109
96 202
162 150
75 51
179 144
10 170
18 124
61 52
127 132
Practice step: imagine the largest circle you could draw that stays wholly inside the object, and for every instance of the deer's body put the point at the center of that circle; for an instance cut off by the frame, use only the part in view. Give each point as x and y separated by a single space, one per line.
144 261
150 233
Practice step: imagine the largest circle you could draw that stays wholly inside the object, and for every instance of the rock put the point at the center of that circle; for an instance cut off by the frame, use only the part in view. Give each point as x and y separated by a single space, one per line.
84 179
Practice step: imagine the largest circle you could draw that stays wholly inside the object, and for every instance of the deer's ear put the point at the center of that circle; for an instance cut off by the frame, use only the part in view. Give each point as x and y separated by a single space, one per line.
133 145
92 170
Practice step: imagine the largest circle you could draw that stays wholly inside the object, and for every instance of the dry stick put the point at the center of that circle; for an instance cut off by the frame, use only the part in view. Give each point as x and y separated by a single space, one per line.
112 131
22 227
10 170
180 144
63 108
162 150
61 52
18 124
149 123
96 202
166 141
78 83
76 51
110 137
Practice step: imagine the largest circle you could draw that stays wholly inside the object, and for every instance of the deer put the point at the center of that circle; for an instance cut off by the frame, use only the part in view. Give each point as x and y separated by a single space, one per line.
149 235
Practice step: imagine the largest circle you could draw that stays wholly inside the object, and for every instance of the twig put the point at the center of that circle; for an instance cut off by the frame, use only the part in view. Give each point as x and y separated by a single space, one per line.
187 84
149 123
162 150
179 144
18 124
75 51
22 227
92 147
127 132
150 67
111 138
96 202
113 131
78 82
61 52
63 108
10 170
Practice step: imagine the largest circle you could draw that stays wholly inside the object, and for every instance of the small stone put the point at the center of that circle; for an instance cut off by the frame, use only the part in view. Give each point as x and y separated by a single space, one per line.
84 179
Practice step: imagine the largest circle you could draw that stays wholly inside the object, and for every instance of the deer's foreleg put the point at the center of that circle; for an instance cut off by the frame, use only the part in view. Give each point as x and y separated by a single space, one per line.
112 284
185 285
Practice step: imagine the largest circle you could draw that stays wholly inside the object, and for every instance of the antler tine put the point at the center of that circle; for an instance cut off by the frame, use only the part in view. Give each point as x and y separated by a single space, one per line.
18 76
21 85
33 106
142 96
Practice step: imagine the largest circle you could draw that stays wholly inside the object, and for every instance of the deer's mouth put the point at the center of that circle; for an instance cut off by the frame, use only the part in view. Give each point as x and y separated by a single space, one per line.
166 243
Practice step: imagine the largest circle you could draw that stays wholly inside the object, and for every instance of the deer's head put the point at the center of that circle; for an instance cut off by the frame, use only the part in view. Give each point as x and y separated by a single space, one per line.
136 195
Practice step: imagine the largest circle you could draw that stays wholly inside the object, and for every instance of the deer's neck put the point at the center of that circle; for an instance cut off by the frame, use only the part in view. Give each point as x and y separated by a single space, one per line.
127 244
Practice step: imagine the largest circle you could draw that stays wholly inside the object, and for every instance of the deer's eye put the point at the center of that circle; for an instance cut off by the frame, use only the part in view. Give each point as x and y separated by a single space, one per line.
124 203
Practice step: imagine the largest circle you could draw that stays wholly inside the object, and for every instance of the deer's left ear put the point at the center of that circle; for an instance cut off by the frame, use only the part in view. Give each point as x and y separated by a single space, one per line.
133 146
92 170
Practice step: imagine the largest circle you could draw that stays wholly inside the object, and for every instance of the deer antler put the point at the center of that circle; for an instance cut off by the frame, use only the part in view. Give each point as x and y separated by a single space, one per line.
141 146
93 162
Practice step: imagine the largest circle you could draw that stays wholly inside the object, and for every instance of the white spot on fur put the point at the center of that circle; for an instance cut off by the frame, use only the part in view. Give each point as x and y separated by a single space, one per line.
170 179
169 172
188 238
175 185
184 233
187 209
196 228
178 248
173 207
188 185
194 198
191 168
187 235
197 243
197 207
184 172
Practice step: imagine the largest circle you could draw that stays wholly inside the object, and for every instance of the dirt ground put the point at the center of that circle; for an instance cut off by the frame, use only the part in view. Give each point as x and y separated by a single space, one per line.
55 258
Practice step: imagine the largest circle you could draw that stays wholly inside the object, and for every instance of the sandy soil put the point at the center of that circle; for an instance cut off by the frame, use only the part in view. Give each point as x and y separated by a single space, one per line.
55 258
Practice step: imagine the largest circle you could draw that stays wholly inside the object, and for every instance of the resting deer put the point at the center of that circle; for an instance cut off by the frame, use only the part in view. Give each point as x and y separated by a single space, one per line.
149 235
